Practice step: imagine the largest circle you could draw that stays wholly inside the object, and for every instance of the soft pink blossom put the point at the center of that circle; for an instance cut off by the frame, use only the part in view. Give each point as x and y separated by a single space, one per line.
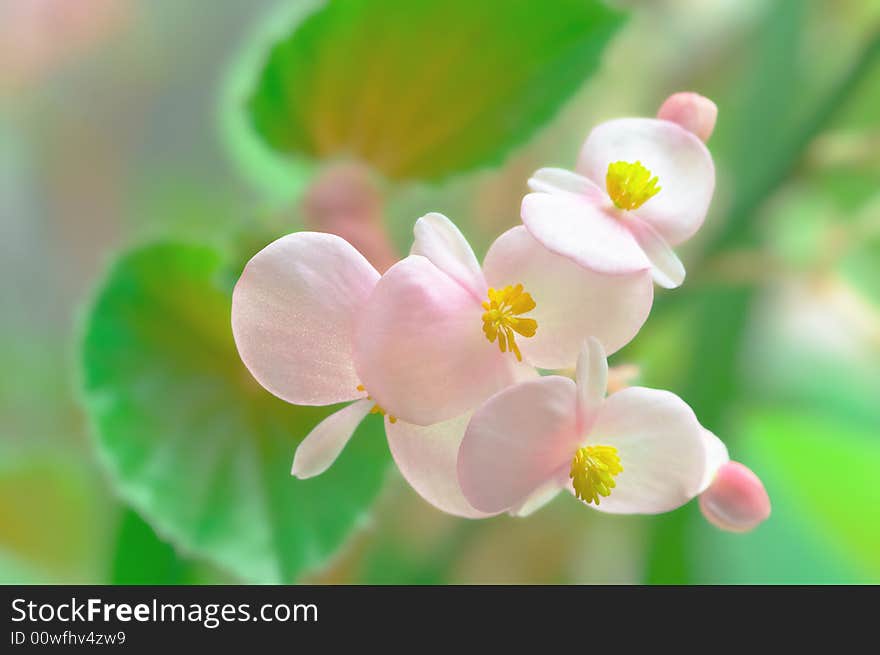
295 311
421 348
525 444
611 219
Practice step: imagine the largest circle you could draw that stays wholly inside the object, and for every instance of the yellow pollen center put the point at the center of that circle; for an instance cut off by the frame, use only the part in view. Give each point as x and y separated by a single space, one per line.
630 185
502 317
592 472
376 409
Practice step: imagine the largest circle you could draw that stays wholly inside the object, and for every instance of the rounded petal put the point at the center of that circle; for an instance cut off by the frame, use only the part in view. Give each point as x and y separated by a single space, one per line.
581 230
716 456
591 379
517 442
560 180
324 443
675 155
695 113
419 346
572 302
666 268
293 312
427 457
736 501
440 241
660 444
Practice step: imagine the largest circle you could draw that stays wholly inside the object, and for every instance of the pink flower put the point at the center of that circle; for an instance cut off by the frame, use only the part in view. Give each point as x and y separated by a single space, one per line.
296 310
639 451
641 186
440 334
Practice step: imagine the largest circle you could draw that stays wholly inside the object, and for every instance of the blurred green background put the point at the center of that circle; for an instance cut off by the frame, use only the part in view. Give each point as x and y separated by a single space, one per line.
149 148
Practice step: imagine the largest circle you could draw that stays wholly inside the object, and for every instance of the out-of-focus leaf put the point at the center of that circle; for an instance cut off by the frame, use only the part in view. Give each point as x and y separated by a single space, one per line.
278 178
53 524
825 527
423 90
193 442
141 557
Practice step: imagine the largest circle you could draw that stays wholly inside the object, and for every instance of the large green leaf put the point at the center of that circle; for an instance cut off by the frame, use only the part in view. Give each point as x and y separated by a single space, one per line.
142 557
192 442
425 89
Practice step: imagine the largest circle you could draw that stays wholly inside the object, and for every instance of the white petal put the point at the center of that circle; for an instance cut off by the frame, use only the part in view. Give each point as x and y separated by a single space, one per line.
438 239
325 442
666 267
716 456
560 180
420 348
427 457
660 444
572 302
677 157
583 231
592 381
293 311
517 441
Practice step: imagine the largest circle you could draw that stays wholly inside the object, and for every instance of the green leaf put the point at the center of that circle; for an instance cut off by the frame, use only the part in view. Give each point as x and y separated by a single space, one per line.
193 442
423 90
141 557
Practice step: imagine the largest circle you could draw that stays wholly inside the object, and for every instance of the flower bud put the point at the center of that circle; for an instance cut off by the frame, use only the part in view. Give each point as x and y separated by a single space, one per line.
344 201
736 500
693 112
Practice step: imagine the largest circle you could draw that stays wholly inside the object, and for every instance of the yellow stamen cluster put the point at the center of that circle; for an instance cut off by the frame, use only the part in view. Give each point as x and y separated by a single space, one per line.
502 317
592 472
630 185
376 409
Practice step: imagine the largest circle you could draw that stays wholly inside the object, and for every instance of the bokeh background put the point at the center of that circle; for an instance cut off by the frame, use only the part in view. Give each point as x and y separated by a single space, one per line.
149 148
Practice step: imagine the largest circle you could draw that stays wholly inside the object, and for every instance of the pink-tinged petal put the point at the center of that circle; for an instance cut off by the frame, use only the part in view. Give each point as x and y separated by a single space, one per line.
518 441
677 157
324 443
428 458
660 445
716 456
736 501
666 268
572 302
293 313
540 497
591 378
560 180
695 113
439 240
580 230
420 349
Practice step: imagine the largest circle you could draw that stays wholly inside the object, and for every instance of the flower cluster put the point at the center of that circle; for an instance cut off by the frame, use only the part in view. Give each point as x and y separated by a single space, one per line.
449 351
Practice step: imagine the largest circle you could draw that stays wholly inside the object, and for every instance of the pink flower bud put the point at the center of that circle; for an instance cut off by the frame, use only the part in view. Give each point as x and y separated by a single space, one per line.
344 201
736 500
693 112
